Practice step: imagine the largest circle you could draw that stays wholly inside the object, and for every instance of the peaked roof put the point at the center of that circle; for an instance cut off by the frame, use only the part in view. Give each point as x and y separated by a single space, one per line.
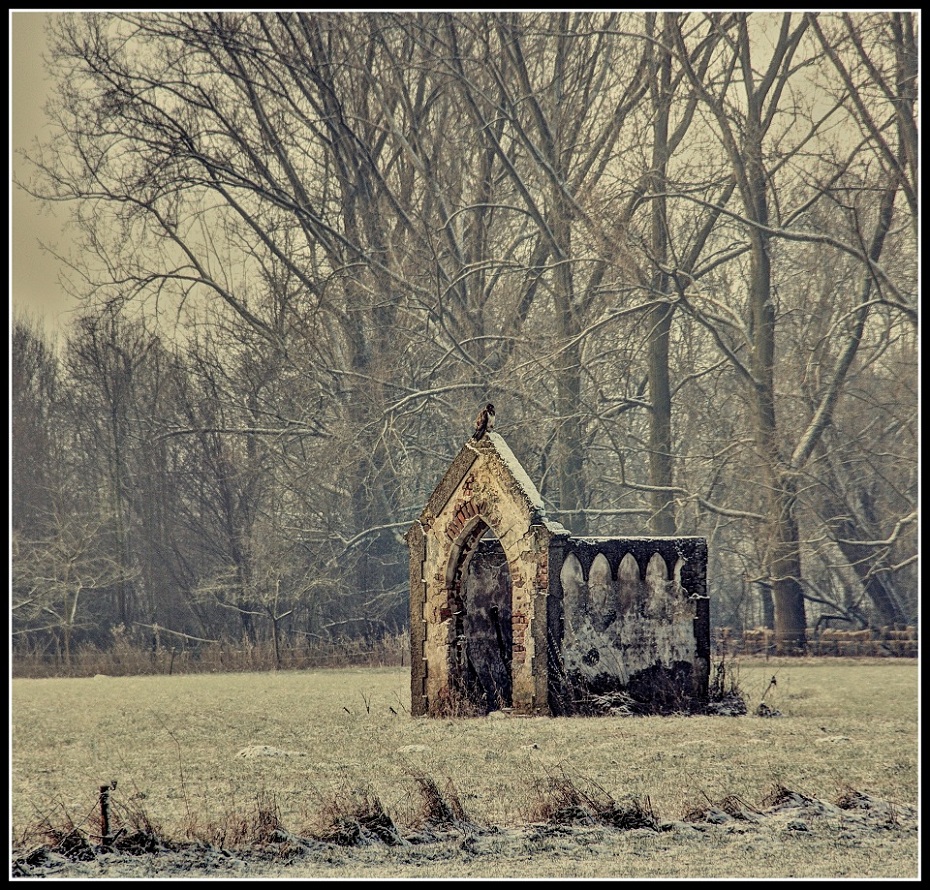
492 444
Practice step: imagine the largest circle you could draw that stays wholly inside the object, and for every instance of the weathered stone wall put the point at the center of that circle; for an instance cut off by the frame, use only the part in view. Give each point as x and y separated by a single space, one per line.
509 610
632 623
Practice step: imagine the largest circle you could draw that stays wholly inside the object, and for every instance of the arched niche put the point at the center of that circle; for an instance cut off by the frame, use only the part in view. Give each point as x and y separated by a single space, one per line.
680 605
657 594
629 585
602 605
574 597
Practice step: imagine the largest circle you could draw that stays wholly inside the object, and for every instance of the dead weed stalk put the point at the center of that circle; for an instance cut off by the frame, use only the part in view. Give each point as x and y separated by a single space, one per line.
565 800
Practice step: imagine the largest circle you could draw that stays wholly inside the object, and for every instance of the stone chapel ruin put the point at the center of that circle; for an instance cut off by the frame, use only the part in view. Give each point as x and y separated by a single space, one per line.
508 610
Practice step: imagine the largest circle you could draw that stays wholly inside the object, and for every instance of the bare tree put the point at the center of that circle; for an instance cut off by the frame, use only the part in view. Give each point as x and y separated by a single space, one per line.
58 583
748 127
34 465
666 245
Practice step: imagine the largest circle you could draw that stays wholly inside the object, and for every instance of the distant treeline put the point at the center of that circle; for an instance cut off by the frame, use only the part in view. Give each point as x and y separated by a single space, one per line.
127 659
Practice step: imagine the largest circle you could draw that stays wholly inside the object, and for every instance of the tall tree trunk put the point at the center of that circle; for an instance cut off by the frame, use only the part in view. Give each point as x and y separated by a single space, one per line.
662 520
568 435
784 569
783 562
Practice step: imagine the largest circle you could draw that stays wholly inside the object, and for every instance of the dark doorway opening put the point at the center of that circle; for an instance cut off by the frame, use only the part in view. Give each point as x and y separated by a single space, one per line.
484 629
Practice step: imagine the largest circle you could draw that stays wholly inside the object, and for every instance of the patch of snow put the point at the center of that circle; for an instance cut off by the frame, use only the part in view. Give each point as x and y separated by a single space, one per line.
594 539
524 482
268 751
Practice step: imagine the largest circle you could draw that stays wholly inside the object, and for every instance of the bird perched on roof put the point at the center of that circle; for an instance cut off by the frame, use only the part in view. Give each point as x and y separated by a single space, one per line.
484 422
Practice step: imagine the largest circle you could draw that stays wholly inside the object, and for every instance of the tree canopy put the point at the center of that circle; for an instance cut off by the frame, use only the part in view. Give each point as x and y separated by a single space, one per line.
678 251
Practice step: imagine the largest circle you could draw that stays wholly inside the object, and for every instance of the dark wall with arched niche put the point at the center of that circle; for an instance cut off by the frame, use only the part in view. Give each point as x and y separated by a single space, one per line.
629 626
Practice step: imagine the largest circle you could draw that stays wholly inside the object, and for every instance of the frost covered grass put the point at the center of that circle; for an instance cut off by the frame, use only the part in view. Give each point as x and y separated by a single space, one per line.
196 752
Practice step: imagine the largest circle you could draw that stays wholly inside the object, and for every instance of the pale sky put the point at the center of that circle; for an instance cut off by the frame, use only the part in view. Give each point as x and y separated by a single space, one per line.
34 274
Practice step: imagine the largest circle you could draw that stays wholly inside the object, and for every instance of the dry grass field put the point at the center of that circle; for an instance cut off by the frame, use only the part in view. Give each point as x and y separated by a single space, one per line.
214 757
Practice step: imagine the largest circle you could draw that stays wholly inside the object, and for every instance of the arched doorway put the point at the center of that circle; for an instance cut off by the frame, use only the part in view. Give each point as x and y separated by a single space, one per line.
481 669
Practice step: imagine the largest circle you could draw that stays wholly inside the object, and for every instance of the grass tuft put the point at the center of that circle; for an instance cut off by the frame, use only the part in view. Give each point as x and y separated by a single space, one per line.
257 826
131 831
564 800
731 805
438 809
356 817
851 799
